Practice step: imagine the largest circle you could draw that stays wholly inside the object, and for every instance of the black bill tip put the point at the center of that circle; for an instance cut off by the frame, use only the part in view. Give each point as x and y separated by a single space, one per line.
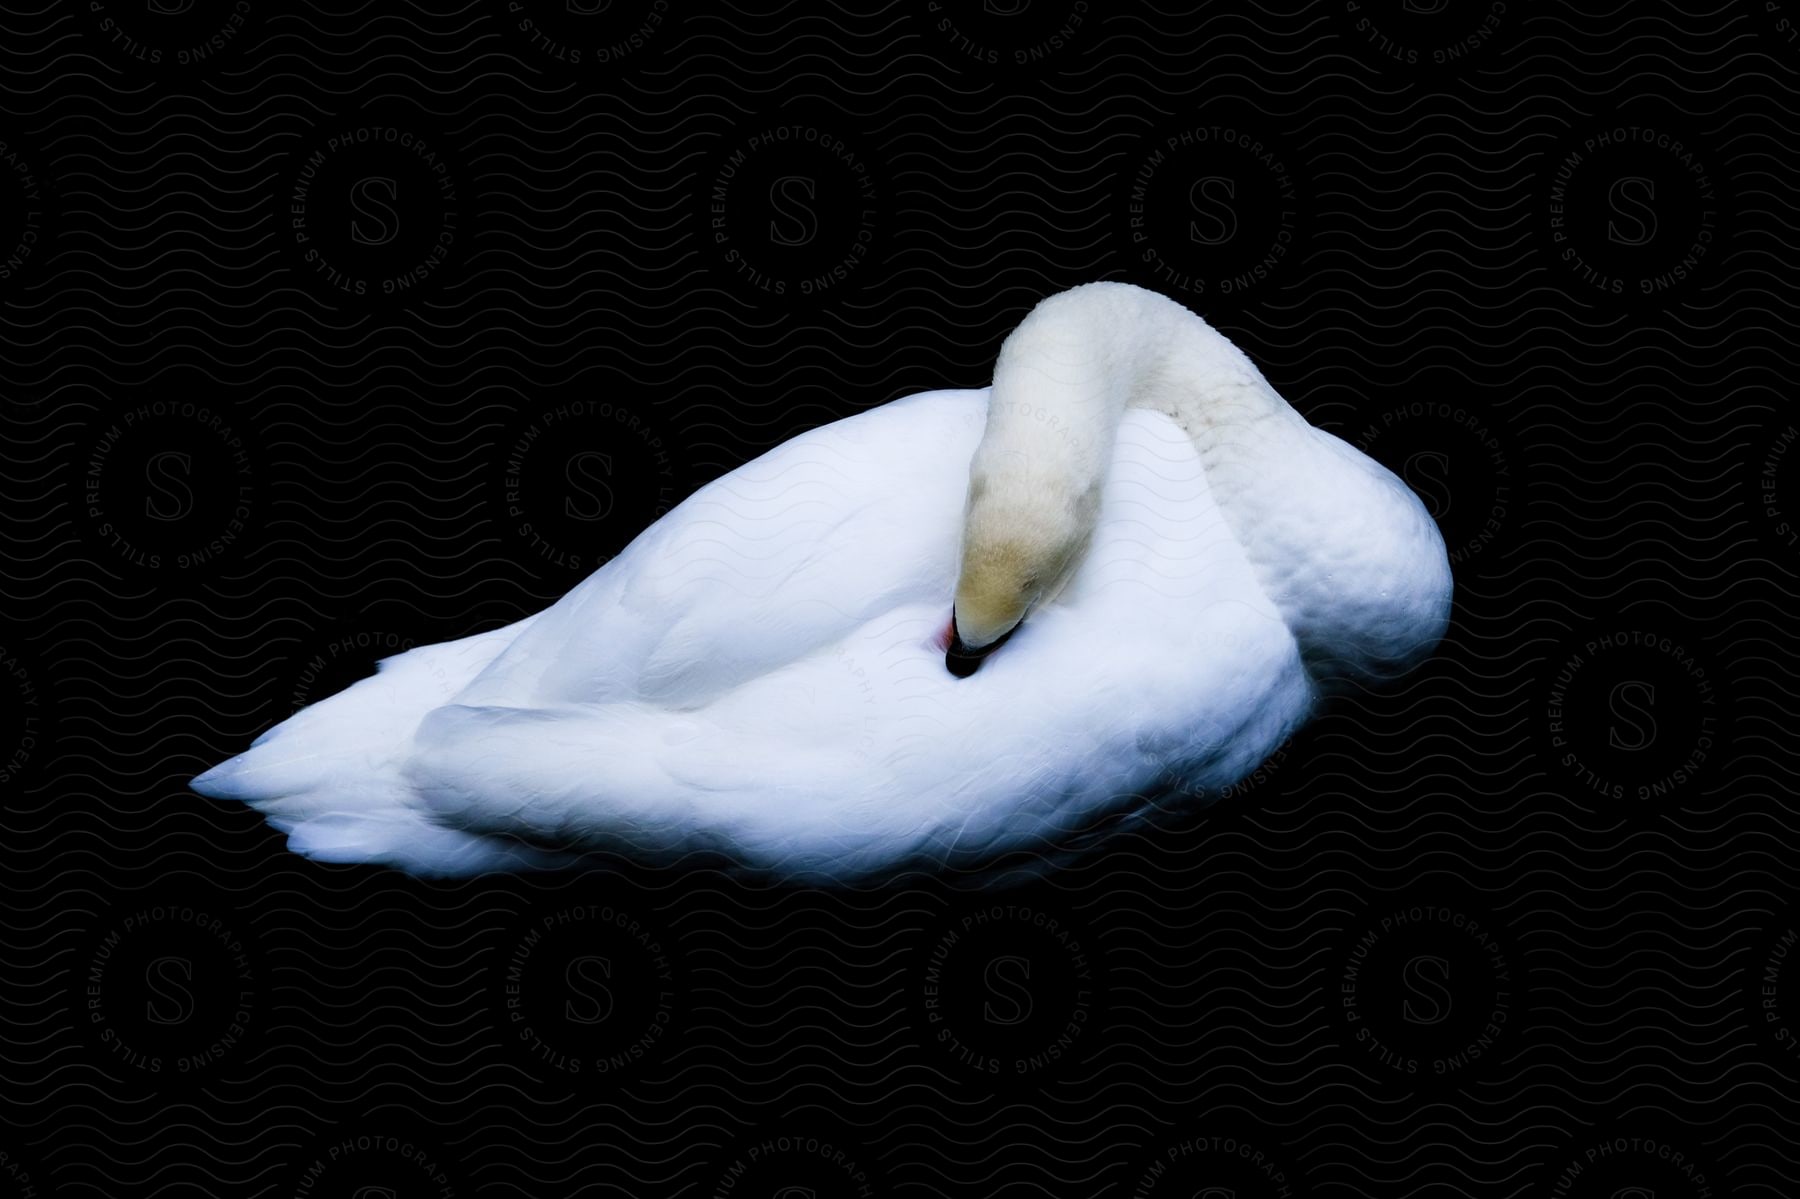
961 660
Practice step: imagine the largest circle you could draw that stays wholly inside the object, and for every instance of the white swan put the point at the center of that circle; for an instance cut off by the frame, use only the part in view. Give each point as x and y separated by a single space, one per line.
1154 559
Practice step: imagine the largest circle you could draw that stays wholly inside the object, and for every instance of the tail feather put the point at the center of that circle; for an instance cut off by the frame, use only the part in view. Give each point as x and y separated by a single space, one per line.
330 776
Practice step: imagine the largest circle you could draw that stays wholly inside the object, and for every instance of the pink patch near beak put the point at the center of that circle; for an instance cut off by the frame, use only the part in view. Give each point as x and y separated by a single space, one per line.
942 640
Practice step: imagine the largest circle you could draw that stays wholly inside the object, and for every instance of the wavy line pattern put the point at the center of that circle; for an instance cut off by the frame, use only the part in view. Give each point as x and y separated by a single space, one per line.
334 329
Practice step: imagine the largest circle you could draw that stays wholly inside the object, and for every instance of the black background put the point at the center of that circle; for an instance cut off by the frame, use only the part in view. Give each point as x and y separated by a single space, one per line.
1539 259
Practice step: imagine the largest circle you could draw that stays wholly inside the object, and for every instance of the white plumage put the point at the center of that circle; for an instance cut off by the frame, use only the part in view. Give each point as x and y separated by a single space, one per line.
761 673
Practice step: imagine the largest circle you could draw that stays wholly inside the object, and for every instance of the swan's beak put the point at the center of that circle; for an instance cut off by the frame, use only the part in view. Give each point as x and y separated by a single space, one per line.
962 659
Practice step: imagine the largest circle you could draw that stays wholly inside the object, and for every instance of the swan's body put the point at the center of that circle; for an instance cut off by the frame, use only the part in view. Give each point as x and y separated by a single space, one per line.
761 673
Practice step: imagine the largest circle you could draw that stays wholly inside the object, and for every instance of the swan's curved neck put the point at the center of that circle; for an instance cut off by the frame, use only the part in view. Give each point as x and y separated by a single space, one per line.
1341 547
1061 386
1068 372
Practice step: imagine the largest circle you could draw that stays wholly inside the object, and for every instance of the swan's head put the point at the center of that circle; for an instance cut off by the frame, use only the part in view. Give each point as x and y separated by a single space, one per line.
1021 542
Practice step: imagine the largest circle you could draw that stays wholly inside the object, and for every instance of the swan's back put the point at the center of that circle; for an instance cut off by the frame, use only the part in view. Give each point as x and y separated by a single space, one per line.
760 567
